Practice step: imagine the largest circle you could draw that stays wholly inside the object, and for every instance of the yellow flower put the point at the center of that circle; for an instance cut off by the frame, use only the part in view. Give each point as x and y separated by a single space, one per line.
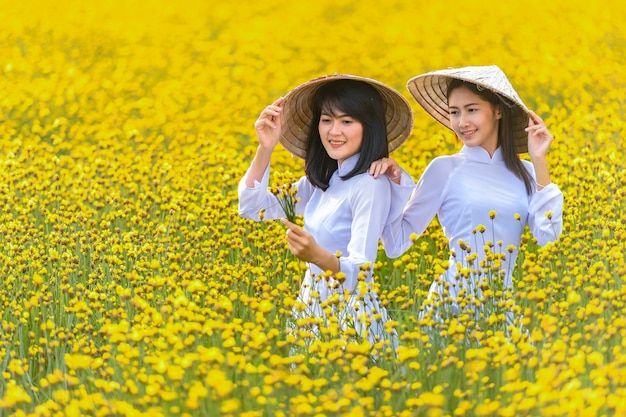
14 395
225 304
37 279
265 306
77 361
489 408
230 405
595 358
222 386
175 372
573 297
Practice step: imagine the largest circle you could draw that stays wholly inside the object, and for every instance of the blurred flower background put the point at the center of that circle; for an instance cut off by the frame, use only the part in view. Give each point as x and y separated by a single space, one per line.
130 285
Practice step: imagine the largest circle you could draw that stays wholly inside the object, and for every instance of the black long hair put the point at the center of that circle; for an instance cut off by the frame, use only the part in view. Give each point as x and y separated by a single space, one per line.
506 137
360 101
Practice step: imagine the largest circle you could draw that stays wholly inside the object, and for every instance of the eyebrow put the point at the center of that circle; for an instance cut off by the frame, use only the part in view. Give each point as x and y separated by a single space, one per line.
337 115
467 105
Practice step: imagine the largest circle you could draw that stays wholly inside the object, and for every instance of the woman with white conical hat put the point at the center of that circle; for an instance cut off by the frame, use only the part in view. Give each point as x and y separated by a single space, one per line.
483 196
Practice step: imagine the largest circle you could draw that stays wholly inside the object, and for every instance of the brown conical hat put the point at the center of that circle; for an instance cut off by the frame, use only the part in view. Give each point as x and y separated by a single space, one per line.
297 113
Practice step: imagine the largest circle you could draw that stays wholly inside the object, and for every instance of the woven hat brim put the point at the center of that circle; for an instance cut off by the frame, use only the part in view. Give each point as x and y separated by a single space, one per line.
430 90
297 114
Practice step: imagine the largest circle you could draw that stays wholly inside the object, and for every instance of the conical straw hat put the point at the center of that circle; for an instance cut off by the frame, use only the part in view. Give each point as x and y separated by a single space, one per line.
430 91
298 113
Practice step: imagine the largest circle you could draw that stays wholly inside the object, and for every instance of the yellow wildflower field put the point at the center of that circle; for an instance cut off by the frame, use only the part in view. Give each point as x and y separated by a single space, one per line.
130 286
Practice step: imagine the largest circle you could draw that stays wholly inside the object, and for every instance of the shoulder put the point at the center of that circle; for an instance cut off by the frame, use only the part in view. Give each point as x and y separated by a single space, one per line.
437 174
366 184
367 180
304 184
443 164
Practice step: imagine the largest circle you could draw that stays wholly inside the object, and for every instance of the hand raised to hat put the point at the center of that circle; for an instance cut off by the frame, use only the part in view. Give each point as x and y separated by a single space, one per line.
268 131
539 140
539 137
268 124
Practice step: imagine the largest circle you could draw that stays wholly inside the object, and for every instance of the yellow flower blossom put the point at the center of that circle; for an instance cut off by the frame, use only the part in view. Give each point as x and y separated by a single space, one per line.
14 395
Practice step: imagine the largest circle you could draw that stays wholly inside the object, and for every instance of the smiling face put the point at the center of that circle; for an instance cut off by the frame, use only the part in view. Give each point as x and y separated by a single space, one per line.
473 119
341 135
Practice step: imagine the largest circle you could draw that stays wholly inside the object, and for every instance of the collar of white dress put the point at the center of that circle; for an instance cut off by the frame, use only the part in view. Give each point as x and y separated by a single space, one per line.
347 165
479 154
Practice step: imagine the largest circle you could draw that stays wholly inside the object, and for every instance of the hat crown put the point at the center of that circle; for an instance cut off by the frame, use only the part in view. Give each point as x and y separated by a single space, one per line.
490 76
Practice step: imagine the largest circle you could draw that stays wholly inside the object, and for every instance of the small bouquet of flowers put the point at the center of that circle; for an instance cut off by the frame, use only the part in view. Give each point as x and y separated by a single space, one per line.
286 196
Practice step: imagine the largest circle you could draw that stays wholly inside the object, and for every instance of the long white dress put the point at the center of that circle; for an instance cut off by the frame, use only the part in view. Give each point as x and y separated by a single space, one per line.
465 191
349 218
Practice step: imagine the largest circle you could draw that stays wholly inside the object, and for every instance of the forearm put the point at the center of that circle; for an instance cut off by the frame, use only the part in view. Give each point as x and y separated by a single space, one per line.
326 261
259 165
542 173
256 198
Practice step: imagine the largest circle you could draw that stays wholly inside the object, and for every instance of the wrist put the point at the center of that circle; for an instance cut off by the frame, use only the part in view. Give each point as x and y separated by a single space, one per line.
267 148
539 159
264 152
328 261
541 186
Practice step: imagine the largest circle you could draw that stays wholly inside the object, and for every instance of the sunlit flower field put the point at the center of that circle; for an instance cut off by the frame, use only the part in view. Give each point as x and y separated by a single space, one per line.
130 286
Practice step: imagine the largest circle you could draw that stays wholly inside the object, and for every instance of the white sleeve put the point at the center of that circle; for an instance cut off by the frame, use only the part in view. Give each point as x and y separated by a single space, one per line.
420 209
545 214
253 200
400 194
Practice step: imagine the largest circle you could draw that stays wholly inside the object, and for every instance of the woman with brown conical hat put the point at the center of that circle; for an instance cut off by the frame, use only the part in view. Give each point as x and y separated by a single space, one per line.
339 125
483 196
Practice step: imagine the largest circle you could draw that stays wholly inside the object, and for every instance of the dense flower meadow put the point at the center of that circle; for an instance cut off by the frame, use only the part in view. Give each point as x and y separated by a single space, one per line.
130 286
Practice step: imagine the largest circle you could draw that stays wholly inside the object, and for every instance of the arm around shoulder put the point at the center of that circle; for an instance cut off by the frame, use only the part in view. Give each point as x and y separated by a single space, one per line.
420 209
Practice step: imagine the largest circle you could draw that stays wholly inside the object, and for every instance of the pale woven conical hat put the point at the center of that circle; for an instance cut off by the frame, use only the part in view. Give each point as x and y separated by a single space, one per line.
297 113
430 91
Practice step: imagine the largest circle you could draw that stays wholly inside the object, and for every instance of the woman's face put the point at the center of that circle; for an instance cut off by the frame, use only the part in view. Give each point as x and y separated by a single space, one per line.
341 135
473 119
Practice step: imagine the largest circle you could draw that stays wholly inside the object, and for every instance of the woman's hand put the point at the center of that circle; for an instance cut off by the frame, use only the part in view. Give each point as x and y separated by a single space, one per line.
539 137
268 124
303 245
386 166
539 140
268 131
